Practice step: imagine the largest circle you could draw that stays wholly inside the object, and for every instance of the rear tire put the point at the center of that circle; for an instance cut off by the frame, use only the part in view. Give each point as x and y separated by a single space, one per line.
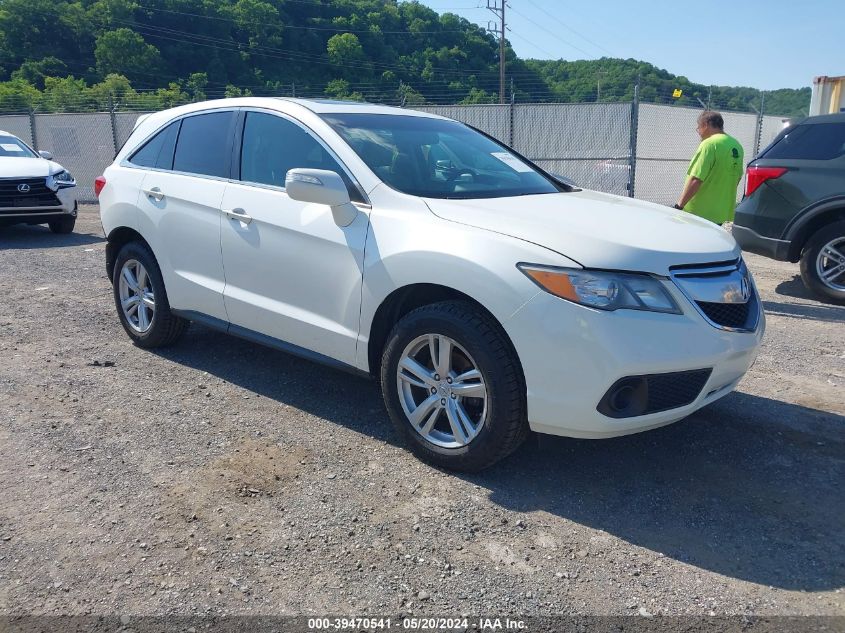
141 299
62 225
484 419
814 262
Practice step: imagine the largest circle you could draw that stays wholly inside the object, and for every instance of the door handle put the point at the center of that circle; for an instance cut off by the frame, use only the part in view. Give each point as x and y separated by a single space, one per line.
238 214
155 193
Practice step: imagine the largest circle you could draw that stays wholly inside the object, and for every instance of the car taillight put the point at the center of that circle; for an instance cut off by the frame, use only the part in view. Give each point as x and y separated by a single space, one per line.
99 183
756 176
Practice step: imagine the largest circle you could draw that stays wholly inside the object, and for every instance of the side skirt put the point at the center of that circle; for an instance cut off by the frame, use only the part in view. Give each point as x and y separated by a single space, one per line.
269 341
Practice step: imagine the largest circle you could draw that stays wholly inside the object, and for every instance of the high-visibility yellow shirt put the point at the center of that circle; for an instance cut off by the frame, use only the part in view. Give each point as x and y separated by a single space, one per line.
718 163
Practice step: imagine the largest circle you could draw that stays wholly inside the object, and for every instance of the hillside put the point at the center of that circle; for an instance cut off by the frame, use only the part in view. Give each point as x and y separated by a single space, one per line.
83 54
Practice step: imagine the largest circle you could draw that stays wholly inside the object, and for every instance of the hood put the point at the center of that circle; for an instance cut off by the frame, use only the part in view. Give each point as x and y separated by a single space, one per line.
13 167
598 230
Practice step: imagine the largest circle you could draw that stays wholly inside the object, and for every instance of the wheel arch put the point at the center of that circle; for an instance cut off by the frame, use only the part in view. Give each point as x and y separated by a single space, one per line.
811 220
116 240
416 295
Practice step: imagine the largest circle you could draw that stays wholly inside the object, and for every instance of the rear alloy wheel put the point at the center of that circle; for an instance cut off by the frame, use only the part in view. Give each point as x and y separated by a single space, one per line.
453 386
141 299
823 263
137 298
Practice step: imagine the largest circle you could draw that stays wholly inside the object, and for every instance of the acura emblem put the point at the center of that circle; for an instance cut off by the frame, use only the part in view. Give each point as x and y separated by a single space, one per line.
23 187
745 290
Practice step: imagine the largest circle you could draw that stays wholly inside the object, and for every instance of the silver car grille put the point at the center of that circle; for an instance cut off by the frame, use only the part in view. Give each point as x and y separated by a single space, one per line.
723 293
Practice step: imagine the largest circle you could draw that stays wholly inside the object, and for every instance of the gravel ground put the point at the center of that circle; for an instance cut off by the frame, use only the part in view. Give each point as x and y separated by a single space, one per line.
221 477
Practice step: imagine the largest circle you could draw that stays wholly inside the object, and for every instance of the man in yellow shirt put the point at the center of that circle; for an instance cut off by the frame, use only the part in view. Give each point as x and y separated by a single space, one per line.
714 172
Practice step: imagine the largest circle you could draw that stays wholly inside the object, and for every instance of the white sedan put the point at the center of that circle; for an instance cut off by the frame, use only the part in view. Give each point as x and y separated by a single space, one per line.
486 296
33 188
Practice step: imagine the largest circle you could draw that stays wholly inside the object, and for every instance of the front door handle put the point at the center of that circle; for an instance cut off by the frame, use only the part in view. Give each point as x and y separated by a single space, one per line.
238 214
155 193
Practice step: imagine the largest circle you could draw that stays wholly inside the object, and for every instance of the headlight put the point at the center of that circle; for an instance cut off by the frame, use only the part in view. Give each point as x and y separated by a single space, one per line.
61 179
603 290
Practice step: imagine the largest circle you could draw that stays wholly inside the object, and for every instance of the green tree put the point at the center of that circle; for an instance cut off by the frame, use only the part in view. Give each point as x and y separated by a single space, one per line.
125 52
34 72
195 86
344 48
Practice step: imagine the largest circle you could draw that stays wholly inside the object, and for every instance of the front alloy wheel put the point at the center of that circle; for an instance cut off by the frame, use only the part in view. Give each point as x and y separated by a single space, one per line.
442 392
453 386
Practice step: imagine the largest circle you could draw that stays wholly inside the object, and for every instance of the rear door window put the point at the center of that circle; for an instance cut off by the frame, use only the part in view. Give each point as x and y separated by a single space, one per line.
814 141
158 151
203 145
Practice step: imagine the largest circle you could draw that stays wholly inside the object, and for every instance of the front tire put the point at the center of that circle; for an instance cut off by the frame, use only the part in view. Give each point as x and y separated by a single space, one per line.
453 387
62 225
823 263
141 299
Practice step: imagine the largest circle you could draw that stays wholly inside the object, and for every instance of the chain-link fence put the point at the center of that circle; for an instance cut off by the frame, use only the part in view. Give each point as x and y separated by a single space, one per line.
640 150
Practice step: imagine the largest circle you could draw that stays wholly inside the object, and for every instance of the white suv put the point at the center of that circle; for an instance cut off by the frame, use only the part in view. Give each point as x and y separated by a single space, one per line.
488 297
33 188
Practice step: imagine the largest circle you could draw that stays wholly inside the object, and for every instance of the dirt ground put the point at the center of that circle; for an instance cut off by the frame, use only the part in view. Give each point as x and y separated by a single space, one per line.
221 477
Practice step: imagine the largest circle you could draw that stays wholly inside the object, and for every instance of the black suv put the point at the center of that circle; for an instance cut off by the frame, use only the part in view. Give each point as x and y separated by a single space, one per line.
794 204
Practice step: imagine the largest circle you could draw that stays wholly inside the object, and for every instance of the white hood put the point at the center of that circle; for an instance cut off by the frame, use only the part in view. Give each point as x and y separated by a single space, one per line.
13 167
598 230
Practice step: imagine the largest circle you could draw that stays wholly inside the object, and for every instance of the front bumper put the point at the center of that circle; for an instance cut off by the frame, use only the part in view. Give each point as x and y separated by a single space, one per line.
40 214
571 355
751 241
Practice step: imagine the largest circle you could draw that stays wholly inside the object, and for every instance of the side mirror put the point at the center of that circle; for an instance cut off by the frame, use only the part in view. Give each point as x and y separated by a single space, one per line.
321 186
46 155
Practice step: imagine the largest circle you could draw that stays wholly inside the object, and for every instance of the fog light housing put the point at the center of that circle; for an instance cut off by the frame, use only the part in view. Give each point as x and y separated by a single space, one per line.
627 398
651 393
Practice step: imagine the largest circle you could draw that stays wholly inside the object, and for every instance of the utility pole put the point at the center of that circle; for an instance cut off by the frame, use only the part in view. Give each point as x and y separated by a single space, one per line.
599 73
497 7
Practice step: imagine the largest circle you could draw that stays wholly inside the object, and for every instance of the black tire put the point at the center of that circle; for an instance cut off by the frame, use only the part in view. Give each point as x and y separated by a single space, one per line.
505 425
62 225
165 327
810 275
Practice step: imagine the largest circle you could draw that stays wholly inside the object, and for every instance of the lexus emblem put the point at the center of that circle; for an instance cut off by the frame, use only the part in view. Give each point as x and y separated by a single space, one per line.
745 290
23 187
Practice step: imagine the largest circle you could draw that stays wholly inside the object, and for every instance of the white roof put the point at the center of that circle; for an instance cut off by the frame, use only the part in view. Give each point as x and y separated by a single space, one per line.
291 105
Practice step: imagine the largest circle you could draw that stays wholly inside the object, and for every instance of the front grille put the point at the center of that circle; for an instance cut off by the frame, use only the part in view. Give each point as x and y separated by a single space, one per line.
732 315
652 393
39 194
723 292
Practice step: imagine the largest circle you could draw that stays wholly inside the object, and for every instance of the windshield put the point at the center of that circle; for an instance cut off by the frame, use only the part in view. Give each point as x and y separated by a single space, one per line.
437 158
14 148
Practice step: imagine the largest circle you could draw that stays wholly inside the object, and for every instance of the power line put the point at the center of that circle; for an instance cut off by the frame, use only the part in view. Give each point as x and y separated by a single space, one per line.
555 35
569 28
532 44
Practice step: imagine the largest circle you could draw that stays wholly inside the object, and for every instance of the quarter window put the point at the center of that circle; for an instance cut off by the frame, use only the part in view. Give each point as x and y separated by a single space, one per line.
812 141
203 145
158 151
272 145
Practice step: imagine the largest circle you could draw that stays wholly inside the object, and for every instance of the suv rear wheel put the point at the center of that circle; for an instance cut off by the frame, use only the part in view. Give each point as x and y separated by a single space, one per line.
141 299
823 262
453 387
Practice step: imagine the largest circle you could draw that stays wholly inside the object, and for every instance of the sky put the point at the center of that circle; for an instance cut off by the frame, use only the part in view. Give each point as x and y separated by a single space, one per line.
764 45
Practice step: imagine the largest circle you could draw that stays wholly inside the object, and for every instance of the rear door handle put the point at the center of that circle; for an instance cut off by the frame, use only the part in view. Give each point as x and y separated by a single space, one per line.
238 214
155 193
